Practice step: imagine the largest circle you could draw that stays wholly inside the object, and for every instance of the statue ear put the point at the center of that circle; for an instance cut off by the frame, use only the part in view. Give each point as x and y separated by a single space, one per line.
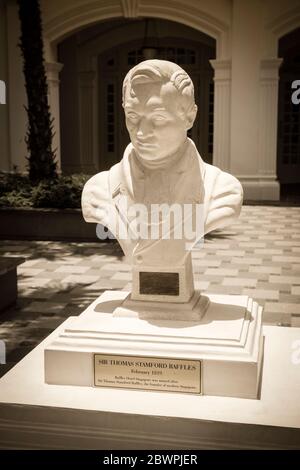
191 116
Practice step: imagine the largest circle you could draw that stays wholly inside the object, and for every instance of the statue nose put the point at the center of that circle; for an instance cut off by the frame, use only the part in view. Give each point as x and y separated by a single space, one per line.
144 128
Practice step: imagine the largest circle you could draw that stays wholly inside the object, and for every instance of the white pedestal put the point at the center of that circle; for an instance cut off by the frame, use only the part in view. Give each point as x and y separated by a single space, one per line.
227 340
35 415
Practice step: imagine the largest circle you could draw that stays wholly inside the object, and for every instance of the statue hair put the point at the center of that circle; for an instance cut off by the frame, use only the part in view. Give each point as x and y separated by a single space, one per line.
151 71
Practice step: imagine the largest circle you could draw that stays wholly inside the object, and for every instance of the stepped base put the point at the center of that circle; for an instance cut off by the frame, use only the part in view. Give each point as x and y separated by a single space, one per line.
227 342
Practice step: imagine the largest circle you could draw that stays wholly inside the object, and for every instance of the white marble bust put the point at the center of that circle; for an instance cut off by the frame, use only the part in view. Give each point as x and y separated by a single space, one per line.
161 165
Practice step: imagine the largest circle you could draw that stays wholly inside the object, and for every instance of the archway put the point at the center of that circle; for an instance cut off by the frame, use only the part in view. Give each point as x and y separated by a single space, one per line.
96 139
201 17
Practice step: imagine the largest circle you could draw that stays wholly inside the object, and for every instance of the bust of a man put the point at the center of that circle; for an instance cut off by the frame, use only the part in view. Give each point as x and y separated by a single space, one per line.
161 166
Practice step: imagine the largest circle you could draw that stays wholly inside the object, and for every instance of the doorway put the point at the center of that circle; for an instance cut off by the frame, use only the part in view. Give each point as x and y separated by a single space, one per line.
93 131
114 64
288 145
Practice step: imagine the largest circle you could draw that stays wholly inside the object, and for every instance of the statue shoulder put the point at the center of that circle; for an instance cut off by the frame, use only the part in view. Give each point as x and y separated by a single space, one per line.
96 199
219 182
95 196
223 197
99 180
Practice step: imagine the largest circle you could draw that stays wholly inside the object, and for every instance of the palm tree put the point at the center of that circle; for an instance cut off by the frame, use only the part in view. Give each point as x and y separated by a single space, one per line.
41 159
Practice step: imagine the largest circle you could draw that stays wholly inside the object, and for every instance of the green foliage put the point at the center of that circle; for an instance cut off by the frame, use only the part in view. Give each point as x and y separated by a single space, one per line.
61 193
41 160
13 181
15 198
64 192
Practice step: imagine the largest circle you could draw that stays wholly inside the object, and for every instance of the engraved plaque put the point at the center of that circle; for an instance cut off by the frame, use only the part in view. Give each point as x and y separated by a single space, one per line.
147 373
159 283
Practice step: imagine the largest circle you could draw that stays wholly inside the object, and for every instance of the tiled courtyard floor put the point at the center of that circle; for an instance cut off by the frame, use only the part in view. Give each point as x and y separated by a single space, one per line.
259 256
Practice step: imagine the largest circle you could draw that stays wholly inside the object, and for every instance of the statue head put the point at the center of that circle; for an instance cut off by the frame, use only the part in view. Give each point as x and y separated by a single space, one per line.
159 105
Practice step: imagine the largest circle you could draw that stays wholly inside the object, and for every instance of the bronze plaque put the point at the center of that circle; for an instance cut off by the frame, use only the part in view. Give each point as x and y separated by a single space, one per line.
159 283
147 373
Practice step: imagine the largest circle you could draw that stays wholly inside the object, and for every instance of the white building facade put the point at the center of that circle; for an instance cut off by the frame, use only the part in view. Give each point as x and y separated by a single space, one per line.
233 49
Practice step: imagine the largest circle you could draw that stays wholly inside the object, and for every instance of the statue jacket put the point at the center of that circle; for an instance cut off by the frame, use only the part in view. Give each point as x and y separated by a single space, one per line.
107 195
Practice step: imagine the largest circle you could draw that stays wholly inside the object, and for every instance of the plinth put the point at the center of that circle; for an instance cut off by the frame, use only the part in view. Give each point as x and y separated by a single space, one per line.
36 415
118 343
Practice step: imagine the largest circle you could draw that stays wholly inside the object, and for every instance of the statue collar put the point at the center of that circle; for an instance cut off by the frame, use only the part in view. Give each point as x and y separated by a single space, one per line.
182 165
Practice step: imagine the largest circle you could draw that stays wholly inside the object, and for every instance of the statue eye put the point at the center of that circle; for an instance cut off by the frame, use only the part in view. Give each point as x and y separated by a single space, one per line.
132 116
159 117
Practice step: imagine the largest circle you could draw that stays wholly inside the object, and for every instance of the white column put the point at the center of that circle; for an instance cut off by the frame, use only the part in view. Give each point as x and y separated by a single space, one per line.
268 111
86 119
222 97
52 72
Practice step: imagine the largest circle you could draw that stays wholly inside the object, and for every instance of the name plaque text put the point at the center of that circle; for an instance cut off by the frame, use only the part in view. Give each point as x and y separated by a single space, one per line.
147 373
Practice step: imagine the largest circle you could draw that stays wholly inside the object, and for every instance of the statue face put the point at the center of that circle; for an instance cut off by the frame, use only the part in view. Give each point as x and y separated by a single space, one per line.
155 120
